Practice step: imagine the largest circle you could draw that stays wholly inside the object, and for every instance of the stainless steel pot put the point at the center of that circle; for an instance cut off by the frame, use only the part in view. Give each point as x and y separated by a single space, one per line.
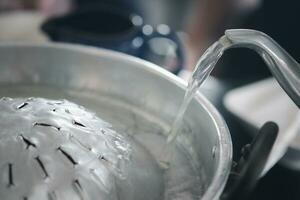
140 84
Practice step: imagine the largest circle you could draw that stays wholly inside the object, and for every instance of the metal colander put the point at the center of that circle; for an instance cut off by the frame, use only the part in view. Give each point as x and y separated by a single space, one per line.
57 150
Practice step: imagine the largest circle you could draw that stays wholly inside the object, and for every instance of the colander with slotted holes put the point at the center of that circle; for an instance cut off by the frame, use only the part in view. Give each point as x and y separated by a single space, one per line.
57 150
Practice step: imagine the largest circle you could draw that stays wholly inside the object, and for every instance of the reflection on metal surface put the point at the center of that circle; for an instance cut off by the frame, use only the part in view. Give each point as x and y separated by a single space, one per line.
39 156
152 94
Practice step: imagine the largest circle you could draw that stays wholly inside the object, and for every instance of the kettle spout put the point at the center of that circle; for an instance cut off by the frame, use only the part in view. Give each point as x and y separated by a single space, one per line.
283 67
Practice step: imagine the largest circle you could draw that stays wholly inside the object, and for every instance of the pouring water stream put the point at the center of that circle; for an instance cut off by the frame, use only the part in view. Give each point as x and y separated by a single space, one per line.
284 68
203 68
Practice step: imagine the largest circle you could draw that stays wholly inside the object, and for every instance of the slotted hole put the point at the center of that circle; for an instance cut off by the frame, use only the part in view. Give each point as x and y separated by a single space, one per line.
77 141
42 166
46 125
25 198
101 157
68 156
78 123
97 178
77 183
52 196
10 175
23 105
27 142
78 188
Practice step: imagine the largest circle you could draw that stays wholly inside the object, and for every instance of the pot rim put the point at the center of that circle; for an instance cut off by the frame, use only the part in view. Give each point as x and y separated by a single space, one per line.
214 190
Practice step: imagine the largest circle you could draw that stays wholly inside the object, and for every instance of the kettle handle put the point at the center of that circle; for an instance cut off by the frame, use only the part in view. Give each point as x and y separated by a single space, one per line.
283 67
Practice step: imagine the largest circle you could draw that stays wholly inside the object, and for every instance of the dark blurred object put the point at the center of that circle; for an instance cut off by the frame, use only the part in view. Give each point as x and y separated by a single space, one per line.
277 19
248 170
118 28
104 26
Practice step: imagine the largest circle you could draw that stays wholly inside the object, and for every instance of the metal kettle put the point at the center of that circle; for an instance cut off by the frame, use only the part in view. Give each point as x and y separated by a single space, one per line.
283 67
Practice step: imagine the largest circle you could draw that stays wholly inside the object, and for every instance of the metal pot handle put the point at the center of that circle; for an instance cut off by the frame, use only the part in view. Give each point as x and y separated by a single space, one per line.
247 171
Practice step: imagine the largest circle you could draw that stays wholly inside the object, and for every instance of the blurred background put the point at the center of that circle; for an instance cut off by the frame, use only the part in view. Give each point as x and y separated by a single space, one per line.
198 22
174 34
